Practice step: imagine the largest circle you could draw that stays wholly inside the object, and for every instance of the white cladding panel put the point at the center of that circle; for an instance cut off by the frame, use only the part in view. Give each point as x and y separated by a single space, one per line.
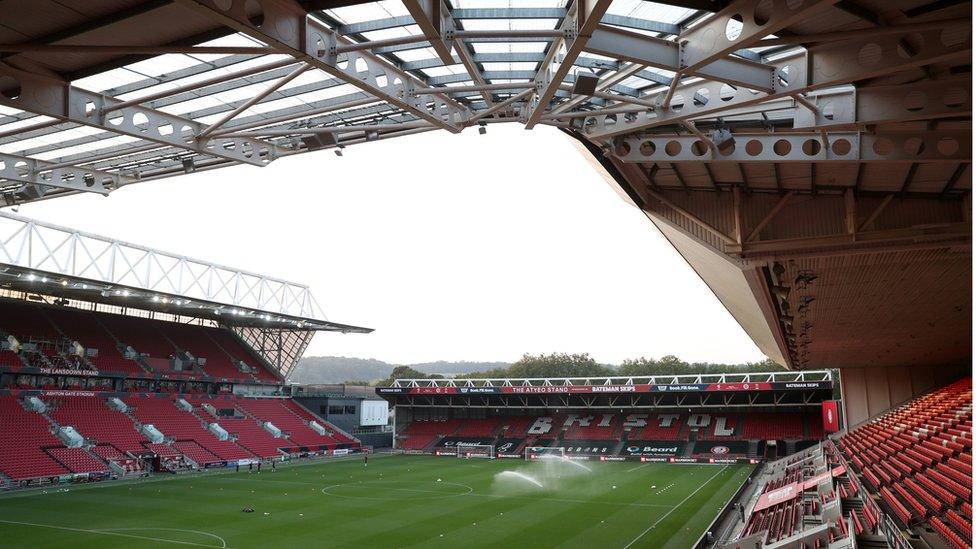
374 412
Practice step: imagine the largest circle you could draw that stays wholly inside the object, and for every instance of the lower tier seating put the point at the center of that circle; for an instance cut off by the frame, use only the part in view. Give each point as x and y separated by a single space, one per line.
918 459
77 460
23 437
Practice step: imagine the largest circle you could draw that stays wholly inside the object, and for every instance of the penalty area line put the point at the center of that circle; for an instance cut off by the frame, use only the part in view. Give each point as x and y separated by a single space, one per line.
673 509
116 534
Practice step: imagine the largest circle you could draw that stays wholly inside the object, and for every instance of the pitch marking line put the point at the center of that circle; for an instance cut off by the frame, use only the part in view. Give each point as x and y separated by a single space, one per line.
121 535
471 492
632 469
673 509
223 542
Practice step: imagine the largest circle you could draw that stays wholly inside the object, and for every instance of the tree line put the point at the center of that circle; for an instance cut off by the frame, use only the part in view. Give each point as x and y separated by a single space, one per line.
583 365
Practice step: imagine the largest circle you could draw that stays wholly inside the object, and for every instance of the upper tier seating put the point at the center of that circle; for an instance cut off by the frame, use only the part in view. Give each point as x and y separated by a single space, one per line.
158 340
141 334
26 322
10 359
23 435
196 341
918 458
235 348
81 327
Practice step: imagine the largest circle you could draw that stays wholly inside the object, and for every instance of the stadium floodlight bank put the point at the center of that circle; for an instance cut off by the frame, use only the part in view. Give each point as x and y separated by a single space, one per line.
534 453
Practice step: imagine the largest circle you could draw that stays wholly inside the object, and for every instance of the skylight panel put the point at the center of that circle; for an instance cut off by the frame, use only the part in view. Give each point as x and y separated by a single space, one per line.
8 111
23 123
86 148
650 10
393 32
304 79
510 47
509 3
510 24
327 93
416 54
163 64
236 40
108 80
368 12
444 71
511 66
193 105
271 106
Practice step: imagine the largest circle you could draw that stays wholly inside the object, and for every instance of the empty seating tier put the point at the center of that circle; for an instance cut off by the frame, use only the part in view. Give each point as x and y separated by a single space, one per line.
23 437
918 458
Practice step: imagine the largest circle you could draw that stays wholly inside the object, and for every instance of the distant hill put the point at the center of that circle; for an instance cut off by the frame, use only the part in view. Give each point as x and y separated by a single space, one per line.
337 369
444 367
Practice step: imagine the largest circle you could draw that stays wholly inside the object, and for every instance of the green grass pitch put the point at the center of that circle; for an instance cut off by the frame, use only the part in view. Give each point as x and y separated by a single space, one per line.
396 501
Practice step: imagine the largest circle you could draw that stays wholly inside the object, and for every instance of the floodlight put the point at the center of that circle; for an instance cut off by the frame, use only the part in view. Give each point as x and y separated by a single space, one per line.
585 83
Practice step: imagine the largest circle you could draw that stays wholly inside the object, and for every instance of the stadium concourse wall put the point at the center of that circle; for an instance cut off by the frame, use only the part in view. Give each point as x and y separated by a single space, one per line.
867 392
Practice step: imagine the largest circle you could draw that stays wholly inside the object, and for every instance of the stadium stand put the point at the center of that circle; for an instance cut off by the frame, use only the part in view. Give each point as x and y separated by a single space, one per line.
104 337
92 335
704 435
293 420
593 427
29 450
181 425
77 460
800 504
918 458
485 427
98 423
421 435
23 436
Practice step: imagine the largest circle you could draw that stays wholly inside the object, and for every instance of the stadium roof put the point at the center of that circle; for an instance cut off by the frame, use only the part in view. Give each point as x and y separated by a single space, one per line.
774 142
616 381
42 258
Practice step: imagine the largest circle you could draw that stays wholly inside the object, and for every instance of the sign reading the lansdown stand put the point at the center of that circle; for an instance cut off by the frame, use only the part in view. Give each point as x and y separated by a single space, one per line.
614 389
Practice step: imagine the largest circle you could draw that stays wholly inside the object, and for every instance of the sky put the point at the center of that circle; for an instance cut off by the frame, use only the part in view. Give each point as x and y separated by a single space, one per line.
452 247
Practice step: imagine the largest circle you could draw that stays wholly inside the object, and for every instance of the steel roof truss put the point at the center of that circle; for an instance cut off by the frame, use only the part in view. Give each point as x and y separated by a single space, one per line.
55 98
287 27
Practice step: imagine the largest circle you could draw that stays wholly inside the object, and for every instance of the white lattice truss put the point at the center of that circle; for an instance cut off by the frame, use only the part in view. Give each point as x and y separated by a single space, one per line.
92 260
